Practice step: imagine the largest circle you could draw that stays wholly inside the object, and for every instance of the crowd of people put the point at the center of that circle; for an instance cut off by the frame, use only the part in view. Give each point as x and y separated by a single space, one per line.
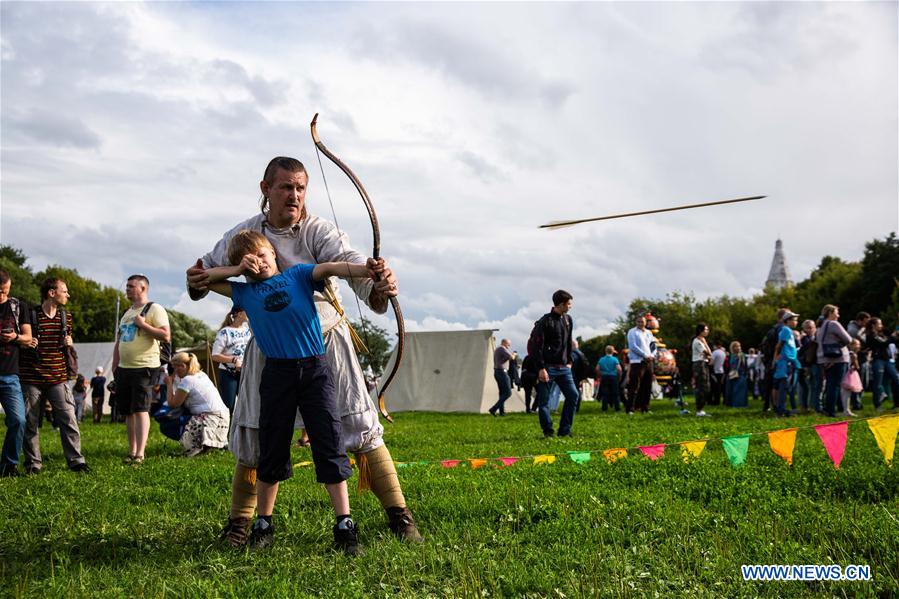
818 366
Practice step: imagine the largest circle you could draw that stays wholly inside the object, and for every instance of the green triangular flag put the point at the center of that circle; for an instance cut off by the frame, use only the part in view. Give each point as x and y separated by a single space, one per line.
736 448
579 457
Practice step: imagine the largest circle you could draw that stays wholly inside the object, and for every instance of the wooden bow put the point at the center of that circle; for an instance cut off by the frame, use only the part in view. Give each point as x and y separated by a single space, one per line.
375 253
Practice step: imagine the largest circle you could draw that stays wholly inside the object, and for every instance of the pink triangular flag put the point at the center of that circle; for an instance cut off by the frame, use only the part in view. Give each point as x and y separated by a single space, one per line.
653 452
833 436
508 461
450 463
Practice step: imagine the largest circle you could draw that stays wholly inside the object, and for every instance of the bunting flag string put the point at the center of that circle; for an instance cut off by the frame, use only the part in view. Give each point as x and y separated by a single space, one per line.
833 436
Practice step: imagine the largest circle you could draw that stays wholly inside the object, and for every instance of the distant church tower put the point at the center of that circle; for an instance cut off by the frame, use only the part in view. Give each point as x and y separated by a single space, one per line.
779 275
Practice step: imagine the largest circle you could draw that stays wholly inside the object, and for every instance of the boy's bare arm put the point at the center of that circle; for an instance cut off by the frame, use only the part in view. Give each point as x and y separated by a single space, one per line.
221 287
217 277
345 269
223 273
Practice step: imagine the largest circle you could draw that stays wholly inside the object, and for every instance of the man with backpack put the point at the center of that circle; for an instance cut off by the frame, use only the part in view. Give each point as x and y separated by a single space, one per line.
15 333
550 346
767 347
45 369
143 344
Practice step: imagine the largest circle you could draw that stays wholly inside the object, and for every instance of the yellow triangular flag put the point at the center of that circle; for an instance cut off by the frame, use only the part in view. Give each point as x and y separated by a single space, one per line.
544 459
614 454
885 429
477 462
302 464
691 450
782 443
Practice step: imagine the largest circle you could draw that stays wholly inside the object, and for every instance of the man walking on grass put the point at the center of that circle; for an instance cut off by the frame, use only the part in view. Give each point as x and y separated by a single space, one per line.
44 375
550 345
502 356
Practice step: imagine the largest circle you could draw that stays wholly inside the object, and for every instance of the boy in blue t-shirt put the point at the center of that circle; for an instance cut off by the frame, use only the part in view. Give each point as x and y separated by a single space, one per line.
786 362
296 374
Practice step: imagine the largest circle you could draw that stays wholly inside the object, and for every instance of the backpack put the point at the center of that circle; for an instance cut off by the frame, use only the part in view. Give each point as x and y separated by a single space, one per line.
769 344
808 353
172 420
534 346
580 366
69 353
165 347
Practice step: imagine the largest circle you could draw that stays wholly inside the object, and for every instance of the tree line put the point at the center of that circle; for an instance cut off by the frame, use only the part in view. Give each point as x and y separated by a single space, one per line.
92 304
869 285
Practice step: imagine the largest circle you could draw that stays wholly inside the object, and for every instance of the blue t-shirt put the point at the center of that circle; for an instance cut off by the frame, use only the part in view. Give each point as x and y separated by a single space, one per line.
607 366
788 347
282 313
788 353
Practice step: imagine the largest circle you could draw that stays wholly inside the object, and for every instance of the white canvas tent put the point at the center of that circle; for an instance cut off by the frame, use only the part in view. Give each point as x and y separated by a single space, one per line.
447 371
91 355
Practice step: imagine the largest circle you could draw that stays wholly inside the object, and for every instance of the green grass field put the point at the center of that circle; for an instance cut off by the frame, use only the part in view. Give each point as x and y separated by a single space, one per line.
632 528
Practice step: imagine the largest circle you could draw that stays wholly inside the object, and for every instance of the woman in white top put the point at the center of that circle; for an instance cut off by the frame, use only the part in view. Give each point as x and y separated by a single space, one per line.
228 350
210 419
701 353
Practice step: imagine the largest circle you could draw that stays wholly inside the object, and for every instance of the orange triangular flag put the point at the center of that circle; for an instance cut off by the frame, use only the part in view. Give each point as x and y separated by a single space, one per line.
477 462
783 442
614 454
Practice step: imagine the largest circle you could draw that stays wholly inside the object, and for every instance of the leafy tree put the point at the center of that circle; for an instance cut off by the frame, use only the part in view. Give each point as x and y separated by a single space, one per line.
833 282
93 305
13 261
377 341
880 267
188 331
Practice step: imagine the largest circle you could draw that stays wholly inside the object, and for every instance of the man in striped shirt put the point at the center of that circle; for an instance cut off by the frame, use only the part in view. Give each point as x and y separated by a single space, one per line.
42 369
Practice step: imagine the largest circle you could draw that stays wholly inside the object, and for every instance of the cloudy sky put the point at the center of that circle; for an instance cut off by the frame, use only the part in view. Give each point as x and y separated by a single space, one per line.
134 134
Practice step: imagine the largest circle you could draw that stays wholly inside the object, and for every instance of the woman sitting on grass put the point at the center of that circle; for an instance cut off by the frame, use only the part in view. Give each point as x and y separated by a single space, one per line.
190 387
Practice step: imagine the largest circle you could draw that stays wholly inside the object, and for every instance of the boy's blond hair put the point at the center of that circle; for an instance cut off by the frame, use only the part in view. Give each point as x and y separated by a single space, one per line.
246 242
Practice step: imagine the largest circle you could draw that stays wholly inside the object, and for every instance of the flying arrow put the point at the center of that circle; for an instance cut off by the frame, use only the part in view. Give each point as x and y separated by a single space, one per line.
567 223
